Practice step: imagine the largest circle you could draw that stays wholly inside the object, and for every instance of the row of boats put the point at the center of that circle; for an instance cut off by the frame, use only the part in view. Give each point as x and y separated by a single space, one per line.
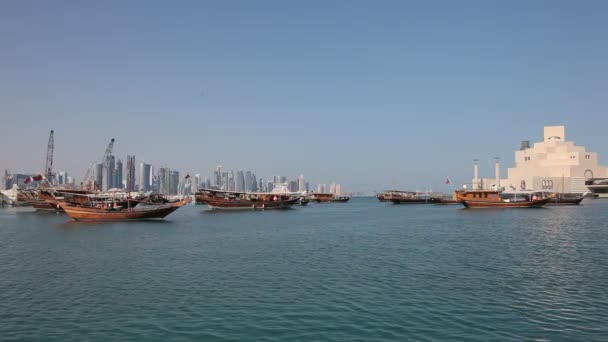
84 206
484 198
81 205
280 199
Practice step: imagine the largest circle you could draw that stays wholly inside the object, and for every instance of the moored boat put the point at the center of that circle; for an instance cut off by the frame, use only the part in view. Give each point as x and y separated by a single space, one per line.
445 201
118 213
410 197
329 197
231 200
501 199
198 198
567 199
598 187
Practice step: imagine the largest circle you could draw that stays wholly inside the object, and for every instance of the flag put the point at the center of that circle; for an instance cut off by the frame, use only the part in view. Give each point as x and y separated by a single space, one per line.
448 180
37 178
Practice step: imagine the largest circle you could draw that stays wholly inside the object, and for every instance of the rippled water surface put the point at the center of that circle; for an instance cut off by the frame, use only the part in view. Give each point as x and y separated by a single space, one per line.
337 272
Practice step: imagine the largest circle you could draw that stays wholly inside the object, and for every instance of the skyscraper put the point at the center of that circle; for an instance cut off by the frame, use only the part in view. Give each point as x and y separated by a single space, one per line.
279 180
144 177
224 181
248 180
118 175
301 183
261 185
98 175
197 182
174 182
332 188
218 175
163 180
254 183
62 178
322 188
107 181
153 179
231 181
130 173
240 182
292 186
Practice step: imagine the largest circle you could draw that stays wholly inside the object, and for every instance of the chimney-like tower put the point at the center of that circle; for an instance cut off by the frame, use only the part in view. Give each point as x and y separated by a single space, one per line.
476 175
497 173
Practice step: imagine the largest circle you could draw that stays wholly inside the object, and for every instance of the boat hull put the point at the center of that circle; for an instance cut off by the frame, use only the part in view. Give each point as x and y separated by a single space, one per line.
414 201
44 205
566 201
448 202
491 204
145 212
333 201
199 199
221 204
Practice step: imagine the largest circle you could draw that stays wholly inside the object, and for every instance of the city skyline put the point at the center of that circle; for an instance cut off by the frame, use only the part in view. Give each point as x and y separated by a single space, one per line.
373 97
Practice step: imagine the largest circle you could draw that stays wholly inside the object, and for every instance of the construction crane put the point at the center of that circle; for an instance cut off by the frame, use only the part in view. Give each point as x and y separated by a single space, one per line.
48 172
88 177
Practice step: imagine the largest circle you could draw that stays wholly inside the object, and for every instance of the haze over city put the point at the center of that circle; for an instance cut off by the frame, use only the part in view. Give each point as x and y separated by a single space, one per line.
373 97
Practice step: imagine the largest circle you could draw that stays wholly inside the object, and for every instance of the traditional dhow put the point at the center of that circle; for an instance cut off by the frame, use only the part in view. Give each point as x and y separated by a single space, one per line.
109 212
16 198
410 197
198 198
382 196
329 197
231 200
563 198
48 199
504 199
45 201
598 186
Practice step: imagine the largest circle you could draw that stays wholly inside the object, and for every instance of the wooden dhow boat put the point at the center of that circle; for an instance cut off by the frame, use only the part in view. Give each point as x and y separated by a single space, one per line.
563 198
232 200
329 198
501 199
410 197
114 212
46 199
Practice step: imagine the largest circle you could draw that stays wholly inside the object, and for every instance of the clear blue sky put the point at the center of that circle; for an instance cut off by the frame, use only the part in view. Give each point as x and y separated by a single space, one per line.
371 94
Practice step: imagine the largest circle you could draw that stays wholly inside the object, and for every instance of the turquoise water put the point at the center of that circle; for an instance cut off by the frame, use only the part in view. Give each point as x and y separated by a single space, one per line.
336 272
